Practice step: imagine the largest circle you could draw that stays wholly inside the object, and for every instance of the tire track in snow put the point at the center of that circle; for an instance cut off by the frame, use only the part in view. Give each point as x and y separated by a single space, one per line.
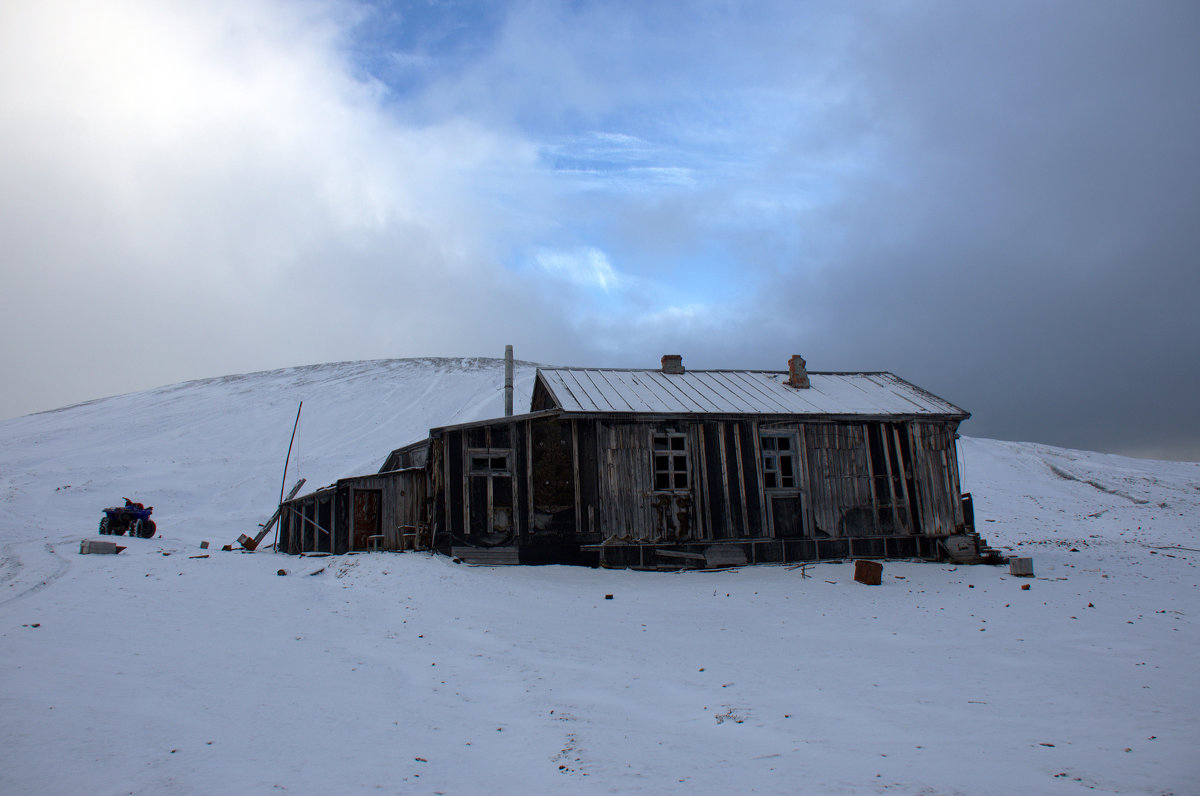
1067 476
12 568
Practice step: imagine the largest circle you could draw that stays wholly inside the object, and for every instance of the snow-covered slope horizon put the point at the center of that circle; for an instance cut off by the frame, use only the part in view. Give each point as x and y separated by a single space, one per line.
217 447
158 671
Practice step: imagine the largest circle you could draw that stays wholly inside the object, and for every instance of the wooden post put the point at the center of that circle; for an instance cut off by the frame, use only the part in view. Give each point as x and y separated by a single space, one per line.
575 473
286 461
903 473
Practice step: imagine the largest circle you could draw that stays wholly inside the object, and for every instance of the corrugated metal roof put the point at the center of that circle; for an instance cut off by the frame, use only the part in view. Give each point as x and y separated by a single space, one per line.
738 392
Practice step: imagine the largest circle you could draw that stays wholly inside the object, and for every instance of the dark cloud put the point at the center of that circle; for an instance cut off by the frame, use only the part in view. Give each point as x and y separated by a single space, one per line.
1026 244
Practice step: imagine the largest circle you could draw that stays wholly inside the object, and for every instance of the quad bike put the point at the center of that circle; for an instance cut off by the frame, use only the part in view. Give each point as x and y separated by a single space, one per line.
132 517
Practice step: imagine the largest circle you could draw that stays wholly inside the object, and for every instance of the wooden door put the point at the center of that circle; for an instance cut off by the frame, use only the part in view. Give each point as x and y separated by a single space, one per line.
366 516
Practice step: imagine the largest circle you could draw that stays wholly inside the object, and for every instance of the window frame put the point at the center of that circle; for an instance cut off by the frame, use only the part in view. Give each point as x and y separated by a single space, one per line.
673 453
490 455
771 460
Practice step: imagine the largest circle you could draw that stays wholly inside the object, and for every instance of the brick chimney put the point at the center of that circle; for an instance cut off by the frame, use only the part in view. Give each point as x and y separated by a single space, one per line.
797 375
672 363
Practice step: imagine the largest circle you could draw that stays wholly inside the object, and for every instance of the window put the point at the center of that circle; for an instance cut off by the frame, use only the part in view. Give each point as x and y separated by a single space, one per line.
670 462
779 462
489 462
490 495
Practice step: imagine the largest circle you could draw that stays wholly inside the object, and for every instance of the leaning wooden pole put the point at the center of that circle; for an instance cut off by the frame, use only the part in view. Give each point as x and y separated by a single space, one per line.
283 485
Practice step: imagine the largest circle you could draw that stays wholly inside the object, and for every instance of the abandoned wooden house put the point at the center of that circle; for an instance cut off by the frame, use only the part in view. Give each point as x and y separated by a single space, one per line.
668 468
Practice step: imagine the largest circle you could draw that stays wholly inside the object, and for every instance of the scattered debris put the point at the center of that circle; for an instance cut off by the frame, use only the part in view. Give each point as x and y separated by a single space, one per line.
282 572
204 545
251 543
1020 567
92 546
200 556
736 715
608 596
1024 587
869 573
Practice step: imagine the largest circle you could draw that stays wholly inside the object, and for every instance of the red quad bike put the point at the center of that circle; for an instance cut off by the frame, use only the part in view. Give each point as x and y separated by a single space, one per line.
132 517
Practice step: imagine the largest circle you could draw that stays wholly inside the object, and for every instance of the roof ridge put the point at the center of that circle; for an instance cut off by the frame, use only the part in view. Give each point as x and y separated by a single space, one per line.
727 370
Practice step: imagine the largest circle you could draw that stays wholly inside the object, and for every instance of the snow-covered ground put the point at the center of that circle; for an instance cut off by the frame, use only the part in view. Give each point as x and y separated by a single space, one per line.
154 672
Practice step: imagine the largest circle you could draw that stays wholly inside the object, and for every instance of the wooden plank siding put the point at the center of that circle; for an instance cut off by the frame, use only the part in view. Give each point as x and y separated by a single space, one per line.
625 481
323 521
935 474
859 486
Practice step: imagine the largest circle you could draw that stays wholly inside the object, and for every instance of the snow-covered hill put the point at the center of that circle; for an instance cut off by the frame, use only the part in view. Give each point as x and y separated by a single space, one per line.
156 672
209 454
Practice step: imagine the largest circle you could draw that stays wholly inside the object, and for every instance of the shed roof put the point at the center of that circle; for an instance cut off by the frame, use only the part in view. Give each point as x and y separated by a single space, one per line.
603 390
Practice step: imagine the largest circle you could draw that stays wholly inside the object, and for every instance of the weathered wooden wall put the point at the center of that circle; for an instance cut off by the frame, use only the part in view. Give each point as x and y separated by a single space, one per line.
565 482
935 468
625 482
324 521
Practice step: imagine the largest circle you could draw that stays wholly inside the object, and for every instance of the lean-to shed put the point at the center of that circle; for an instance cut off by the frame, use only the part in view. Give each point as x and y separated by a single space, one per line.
380 511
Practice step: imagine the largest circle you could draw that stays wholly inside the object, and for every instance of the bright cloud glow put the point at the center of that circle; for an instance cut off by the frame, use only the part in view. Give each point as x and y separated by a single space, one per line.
586 267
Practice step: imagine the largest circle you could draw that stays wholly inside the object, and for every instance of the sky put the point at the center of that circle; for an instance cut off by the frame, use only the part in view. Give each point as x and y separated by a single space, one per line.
999 202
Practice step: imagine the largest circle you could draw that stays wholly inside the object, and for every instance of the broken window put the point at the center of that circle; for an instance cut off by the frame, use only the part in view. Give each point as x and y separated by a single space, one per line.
779 461
489 462
670 462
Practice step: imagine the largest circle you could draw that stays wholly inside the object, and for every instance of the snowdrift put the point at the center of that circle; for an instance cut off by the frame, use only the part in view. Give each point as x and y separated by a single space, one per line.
156 671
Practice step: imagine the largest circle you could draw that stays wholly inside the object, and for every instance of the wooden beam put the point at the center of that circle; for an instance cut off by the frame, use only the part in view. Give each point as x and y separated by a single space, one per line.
768 507
726 497
575 470
887 446
529 489
871 477
266 528
806 490
704 510
741 469
900 460
679 554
